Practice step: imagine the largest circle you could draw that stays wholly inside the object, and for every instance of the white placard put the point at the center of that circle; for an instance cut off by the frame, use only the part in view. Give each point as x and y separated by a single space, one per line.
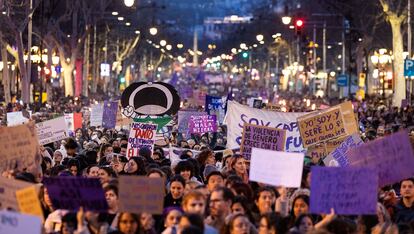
52 130
69 121
276 168
17 223
16 118
97 115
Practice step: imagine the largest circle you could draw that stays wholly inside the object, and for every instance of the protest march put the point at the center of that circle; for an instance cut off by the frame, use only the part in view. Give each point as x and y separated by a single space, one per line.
206 164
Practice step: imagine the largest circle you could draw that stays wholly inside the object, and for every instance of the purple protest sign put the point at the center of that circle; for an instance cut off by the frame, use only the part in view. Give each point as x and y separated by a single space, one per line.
263 138
340 153
109 114
348 190
391 156
202 124
70 193
184 119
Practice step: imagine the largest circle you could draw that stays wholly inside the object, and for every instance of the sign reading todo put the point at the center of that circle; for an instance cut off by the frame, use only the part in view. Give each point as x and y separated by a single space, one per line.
262 137
139 194
70 193
52 130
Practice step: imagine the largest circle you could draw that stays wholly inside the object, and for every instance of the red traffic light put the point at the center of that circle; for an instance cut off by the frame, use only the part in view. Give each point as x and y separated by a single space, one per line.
299 23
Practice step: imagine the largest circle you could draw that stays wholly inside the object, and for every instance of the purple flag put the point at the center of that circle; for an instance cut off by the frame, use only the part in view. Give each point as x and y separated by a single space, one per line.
70 193
392 157
348 190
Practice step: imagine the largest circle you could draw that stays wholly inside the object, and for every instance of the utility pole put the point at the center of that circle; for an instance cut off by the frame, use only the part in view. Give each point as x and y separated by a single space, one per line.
29 45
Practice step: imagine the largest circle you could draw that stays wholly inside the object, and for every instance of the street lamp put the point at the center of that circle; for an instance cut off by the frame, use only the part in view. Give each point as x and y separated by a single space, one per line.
286 20
259 37
180 46
379 60
168 47
129 3
163 43
153 31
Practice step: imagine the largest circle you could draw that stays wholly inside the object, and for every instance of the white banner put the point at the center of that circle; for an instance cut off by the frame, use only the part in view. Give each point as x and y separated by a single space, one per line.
97 115
16 118
238 114
52 130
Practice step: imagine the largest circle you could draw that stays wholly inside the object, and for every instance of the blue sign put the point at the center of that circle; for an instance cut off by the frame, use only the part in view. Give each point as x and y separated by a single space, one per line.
408 67
342 80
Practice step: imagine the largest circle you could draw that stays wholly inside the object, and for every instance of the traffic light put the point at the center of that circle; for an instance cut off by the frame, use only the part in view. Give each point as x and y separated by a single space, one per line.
299 23
245 55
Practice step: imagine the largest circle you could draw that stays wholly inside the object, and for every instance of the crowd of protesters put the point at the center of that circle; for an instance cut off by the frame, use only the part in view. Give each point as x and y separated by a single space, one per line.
208 188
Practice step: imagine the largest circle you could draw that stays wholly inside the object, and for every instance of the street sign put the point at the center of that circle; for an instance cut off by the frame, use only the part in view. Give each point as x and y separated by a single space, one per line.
342 80
408 67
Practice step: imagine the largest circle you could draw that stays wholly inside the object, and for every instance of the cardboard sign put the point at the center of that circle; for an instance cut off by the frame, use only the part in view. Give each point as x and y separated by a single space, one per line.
52 130
19 147
350 191
139 194
73 121
331 145
97 115
317 151
139 99
141 135
16 118
276 168
202 124
261 137
109 114
392 157
28 201
70 193
184 119
339 155
8 188
321 126
16 223
238 115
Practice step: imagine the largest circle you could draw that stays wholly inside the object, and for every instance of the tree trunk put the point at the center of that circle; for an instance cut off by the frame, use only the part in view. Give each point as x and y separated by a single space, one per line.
6 75
86 64
68 78
49 91
398 63
25 82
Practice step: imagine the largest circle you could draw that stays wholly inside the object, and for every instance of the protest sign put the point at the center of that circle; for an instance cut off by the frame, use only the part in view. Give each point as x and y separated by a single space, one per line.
276 168
52 130
349 191
216 106
97 115
138 99
8 188
70 193
139 194
340 153
109 114
122 121
141 135
261 137
238 115
73 121
19 147
316 152
392 157
202 124
184 119
28 201
331 145
16 118
15 223
321 126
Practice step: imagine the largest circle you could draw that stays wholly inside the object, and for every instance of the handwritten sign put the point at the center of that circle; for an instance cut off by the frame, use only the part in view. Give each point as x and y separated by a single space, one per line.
141 135
261 137
391 156
19 147
276 168
321 126
70 193
316 152
216 106
8 188
96 117
202 124
73 121
184 119
350 191
109 114
52 130
139 194
28 201
16 118
339 155
11 222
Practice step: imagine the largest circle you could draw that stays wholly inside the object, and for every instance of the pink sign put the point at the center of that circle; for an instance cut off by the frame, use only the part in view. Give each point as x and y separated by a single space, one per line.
202 124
